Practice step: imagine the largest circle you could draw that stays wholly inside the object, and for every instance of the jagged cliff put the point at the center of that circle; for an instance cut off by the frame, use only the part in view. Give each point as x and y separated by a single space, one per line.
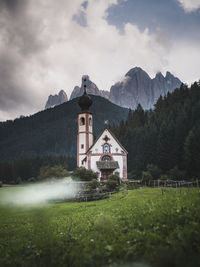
54 100
92 89
137 87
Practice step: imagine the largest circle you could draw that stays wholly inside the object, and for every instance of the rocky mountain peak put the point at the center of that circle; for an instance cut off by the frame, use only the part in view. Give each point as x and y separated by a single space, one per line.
57 99
159 76
139 88
92 89
135 71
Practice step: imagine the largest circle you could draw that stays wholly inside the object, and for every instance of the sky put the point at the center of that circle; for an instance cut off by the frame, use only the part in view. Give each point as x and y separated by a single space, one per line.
47 45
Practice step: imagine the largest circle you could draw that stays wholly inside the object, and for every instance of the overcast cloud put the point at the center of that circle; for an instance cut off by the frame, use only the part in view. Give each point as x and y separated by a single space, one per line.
190 5
47 45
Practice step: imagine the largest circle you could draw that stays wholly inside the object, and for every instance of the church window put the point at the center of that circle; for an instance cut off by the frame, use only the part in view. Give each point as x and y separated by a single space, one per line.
90 121
106 148
82 146
82 121
106 158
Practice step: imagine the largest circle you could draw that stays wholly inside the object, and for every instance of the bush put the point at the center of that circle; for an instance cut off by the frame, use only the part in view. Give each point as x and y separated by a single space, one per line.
19 180
84 175
57 171
176 174
130 185
146 176
111 185
93 184
154 171
164 177
32 180
114 177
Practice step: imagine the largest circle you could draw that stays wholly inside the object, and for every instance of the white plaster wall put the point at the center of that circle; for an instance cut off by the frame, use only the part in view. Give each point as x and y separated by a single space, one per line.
100 143
82 142
120 162
90 139
94 159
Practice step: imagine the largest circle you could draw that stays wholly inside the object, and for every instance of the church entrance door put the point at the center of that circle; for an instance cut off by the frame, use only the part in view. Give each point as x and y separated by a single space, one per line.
105 174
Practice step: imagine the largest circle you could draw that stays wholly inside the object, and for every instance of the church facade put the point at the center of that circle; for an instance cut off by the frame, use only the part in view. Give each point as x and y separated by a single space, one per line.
105 155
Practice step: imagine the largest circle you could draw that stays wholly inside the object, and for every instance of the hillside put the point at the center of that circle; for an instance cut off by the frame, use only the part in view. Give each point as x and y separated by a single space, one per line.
53 131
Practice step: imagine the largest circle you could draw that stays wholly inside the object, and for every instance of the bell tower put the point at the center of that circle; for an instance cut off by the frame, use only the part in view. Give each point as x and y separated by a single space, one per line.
85 137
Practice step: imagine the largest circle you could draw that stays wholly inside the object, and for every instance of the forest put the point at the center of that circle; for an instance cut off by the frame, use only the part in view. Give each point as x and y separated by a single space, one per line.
164 142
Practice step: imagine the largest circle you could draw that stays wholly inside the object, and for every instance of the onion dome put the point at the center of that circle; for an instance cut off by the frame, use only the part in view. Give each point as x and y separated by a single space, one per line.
85 100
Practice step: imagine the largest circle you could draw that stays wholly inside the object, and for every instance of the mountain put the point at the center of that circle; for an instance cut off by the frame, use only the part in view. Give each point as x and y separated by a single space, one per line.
92 89
53 131
138 88
54 100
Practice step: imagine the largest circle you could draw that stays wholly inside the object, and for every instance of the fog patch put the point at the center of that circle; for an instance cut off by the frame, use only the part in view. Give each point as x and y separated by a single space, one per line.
41 193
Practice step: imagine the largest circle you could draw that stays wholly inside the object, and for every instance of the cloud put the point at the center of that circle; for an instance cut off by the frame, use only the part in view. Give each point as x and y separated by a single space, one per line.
44 48
190 5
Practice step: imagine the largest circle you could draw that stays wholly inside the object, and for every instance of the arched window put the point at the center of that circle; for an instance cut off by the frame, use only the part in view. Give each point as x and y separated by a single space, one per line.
106 158
82 121
106 148
90 121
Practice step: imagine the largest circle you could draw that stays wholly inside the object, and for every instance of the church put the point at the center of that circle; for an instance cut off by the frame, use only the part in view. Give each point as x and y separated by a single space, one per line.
105 155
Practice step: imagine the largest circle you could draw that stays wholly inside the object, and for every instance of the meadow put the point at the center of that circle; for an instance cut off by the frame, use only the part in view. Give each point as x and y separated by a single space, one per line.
142 227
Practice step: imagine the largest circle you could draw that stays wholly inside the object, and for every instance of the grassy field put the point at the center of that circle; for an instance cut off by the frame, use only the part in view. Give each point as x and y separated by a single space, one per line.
141 228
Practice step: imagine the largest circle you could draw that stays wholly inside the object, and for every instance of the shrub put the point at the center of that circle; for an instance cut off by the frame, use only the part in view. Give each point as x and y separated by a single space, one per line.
19 180
57 171
111 185
164 177
146 176
93 184
84 175
131 185
176 174
32 180
114 177
154 171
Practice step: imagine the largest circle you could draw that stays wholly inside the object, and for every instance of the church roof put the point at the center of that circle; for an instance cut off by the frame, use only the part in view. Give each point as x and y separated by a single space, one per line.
105 165
112 136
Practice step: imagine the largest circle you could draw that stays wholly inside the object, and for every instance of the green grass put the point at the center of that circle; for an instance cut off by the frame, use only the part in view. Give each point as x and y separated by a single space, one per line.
143 226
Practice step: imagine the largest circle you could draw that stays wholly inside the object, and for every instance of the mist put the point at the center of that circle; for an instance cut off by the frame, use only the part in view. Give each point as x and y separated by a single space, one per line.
40 193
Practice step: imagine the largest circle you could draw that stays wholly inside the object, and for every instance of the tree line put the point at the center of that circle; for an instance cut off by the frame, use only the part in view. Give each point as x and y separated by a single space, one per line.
38 168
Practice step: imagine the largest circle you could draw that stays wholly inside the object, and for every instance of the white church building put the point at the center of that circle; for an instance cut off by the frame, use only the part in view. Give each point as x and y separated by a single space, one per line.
105 155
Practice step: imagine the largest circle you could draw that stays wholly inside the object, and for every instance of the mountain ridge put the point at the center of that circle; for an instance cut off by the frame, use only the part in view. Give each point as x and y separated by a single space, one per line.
136 88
